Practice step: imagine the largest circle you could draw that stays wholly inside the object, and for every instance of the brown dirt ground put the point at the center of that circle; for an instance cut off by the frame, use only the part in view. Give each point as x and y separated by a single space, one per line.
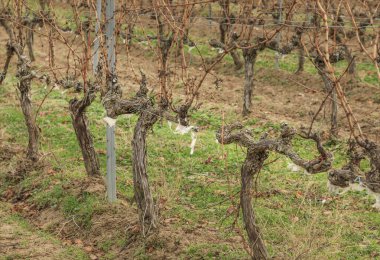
20 242
278 95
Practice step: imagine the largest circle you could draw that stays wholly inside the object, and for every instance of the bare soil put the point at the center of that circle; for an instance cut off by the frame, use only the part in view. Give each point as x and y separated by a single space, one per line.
19 241
278 95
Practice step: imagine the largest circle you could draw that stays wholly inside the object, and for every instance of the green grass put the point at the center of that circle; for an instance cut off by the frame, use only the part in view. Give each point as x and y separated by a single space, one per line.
196 187
369 72
207 251
82 208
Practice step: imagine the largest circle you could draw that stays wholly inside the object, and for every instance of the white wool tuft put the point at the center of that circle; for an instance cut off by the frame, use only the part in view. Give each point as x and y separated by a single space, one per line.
294 168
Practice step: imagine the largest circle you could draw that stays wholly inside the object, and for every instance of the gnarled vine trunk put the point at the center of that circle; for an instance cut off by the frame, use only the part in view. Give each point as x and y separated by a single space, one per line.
225 25
226 47
142 192
301 60
352 64
24 86
10 54
334 114
27 110
249 67
236 58
257 153
148 116
334 101
251 167
24 75
29 43
83 134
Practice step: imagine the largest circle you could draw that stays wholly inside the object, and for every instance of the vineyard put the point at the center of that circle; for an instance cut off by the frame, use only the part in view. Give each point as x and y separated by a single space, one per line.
189 129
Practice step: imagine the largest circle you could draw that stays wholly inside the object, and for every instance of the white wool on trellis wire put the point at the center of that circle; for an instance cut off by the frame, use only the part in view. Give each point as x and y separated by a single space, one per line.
377 204
295 168
339 190
357 186
377 198
181 129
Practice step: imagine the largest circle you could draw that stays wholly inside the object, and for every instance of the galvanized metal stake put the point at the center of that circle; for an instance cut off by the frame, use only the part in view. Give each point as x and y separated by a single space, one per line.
111 59
111 159
209 15
97 42
278 55
110 35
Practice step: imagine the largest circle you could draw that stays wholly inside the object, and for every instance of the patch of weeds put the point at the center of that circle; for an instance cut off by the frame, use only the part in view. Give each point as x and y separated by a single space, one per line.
141 253
2 92
11 118
81 209
203 118
201 50
19 220
106 245
288 63
365 165
332 142
251 121
155 242
376 99
212 251
72 252
304 147
26 183
51 197
140 32
13 257
369 72
272 125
